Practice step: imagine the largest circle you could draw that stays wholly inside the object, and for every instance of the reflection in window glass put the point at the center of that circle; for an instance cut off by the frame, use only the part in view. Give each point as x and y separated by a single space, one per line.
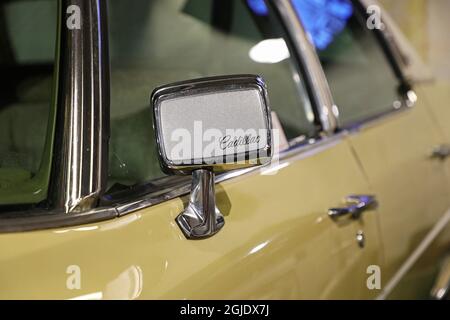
361 80
153 43
323 19
27 51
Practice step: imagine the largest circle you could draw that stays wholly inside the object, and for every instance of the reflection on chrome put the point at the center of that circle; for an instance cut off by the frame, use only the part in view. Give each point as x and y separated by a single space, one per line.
120 223
269 51
335 110
412 98
270 170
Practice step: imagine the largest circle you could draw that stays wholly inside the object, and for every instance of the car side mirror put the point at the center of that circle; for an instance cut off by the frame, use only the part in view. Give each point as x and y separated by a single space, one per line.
210 125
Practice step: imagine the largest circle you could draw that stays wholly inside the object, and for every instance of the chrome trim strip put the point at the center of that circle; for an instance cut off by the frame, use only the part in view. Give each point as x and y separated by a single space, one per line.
27 221
311 67
406 105
51 220
415 255
297 152
81 142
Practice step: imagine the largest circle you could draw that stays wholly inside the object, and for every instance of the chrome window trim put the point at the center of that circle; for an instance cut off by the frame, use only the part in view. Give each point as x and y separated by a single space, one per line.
407 96
310 66
79 168
406 105
30 221
329 115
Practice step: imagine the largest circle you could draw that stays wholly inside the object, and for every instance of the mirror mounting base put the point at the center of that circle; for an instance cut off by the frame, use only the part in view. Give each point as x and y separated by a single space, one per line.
201 219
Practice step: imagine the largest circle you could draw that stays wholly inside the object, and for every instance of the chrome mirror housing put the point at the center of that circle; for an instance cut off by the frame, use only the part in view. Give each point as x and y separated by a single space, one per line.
210 125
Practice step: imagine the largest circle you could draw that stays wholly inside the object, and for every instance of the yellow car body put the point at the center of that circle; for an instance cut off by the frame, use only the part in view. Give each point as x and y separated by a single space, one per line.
278 241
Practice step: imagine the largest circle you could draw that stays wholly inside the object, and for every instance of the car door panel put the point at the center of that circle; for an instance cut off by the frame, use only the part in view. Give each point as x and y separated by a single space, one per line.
277 242
436 97
422 267
410 186
392 141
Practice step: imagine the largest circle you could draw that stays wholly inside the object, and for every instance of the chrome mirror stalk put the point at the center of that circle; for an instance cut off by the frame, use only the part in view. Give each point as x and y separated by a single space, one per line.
201 218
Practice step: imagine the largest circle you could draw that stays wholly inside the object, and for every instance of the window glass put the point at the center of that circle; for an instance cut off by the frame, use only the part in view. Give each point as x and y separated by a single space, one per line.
361 79
157 42
27 58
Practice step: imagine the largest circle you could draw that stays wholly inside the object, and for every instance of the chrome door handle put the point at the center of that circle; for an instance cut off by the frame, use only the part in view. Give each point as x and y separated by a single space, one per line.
441 152
357 204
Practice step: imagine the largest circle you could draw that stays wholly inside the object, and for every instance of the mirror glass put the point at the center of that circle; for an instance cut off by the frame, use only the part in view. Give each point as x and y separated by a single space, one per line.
220 123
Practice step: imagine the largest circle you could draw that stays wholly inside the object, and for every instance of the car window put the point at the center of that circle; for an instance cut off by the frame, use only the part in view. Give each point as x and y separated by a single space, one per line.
360 77
27 57
157 42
